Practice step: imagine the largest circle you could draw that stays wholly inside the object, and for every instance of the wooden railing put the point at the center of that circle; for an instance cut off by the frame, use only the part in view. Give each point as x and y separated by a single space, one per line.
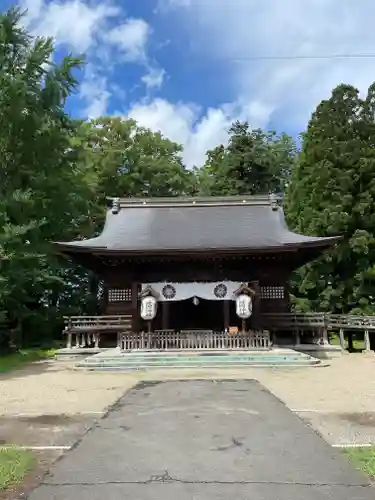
351 321
315 321
195 340
290 321
85 331
320 324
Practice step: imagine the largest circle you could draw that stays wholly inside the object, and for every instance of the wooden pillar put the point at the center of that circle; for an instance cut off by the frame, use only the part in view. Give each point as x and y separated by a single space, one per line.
226 311
165 315
325 336
298 337
342 339
367 341
119 340
135 312
104 302
256 316
243 326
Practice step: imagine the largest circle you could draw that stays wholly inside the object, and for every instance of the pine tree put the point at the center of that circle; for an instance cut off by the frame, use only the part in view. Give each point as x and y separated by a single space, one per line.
332 192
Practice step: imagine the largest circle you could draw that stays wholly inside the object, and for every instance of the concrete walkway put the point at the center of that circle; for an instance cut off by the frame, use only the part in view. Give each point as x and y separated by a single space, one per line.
202 440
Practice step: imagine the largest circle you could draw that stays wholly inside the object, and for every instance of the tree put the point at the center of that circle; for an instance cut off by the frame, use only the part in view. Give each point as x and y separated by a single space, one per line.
38 177
332 192
123 159
254 162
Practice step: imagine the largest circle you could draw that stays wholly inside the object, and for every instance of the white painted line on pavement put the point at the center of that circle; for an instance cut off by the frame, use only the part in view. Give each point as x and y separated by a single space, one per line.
38 448
88 413
35 415
352 445
312 411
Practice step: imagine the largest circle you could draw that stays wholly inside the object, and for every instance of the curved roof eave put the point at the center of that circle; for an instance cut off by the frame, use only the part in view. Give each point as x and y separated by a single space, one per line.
80 246
286 247
315 242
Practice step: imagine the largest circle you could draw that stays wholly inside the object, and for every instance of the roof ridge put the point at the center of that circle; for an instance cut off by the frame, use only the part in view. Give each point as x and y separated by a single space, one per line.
263 200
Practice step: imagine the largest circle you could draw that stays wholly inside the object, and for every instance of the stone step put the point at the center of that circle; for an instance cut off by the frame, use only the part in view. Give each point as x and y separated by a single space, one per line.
197 359
204 364
116 360
124 369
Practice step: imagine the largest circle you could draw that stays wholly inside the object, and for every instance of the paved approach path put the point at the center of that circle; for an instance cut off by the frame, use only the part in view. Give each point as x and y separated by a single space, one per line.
202 440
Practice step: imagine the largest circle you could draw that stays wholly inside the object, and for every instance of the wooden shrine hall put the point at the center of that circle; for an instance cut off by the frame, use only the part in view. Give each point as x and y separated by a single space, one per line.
181 268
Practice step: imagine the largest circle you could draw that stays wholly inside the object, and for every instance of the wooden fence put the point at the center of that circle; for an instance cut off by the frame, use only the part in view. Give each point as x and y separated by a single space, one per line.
195 340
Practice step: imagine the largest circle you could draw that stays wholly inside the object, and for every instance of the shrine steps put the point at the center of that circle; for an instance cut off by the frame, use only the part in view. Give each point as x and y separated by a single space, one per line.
116 360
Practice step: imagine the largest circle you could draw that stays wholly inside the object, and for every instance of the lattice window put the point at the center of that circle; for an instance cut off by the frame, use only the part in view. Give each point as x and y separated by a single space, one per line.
272 292
119 295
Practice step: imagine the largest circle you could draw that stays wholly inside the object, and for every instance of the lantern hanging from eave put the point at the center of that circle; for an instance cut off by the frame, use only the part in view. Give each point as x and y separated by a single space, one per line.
244 306
149 307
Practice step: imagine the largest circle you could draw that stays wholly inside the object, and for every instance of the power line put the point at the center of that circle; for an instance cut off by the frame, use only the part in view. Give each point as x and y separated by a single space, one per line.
302 57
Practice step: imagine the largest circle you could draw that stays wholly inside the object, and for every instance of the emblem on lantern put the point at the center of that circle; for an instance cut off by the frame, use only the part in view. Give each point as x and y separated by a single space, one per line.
148 308
244 306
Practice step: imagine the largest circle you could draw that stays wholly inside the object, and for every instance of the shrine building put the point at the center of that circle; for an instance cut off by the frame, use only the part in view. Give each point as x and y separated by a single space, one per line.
193 258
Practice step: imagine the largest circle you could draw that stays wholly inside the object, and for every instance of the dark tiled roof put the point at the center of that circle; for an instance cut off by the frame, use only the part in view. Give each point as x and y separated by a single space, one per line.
195 224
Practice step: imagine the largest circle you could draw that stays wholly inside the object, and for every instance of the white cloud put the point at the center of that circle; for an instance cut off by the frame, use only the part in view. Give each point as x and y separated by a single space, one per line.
185 124
94 91
233 35
154 78
131 38
73 23
237 34
99 31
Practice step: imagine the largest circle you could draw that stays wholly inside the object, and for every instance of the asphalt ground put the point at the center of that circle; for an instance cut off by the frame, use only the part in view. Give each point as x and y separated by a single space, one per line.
201 440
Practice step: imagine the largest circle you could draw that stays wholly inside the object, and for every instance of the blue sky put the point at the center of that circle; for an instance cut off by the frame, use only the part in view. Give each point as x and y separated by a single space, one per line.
191 67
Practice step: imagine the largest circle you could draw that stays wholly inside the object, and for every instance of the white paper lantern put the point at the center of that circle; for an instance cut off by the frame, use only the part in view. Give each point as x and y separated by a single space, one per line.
244 306
149 307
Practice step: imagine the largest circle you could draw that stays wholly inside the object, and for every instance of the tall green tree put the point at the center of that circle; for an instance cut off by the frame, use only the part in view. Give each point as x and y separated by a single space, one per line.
253 162
332 192
39 180
123 159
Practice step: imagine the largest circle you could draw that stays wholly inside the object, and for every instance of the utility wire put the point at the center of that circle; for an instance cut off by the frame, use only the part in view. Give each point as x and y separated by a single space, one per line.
297 57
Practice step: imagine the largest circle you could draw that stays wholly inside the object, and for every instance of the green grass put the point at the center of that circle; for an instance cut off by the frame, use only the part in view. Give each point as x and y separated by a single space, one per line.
363 459
22 357
357 344
14 466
